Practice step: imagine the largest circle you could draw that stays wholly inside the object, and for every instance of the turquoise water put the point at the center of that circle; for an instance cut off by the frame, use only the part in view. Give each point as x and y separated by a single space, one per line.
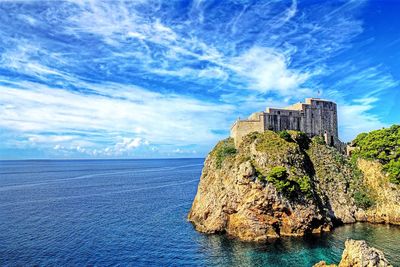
133 213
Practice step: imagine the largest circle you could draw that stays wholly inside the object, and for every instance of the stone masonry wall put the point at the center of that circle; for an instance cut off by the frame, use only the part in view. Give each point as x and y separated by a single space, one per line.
314 117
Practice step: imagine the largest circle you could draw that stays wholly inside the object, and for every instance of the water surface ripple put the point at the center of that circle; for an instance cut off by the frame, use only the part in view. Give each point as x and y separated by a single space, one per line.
133 212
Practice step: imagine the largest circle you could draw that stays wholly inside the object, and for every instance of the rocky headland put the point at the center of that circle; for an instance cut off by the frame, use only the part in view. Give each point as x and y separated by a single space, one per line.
358 254
284 184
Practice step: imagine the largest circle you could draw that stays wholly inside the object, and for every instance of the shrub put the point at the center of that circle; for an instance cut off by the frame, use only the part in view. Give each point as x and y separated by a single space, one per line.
318 140
393 169
382 145
285 136
362 199
278 176
223 150
305 185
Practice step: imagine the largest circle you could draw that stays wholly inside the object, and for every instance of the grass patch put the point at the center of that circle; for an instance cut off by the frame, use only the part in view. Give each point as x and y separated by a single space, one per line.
223 150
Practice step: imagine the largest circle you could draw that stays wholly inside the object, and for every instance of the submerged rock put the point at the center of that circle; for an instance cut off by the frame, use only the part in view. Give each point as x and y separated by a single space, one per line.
358 254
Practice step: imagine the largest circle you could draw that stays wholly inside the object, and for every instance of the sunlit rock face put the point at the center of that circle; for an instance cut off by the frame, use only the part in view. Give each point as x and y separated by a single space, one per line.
238 194
358 254
386 195
277 184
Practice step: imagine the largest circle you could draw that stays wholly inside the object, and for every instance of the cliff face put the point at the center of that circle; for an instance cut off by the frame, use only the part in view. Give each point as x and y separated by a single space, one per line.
272 186
386 194
358 254
287 185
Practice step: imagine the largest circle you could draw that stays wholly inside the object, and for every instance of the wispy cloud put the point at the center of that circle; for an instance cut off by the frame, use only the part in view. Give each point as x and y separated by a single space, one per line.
115 78
137 115
356 117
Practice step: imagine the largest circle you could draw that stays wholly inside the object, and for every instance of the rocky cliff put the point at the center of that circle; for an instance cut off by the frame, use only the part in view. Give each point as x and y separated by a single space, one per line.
386 195
358 254
284 184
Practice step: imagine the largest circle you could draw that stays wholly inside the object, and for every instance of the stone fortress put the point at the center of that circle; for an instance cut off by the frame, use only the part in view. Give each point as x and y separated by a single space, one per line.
315 117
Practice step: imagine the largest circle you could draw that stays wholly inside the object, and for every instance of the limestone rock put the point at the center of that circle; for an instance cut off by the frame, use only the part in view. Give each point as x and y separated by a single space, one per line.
235 198
236 194
324 264
358 254
386 194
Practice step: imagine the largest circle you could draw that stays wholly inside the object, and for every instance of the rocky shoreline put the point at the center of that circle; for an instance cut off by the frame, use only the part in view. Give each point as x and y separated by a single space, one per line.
274 186
358 254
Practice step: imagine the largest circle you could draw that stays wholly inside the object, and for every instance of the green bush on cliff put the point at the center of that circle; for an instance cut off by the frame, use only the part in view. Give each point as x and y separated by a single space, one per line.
318 140
382 145
393 169
305 185
222 150
285 136
271 143
279 177
362 199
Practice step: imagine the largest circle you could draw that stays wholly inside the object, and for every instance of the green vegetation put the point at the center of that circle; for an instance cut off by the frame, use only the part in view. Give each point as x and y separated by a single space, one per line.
285 136
270 142
305 185
222 150
279 177
393 168
363 199
382 145
318 140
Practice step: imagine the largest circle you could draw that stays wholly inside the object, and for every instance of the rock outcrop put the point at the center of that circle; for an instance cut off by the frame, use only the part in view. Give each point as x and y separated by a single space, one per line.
278 184
358 254
272 186
386 195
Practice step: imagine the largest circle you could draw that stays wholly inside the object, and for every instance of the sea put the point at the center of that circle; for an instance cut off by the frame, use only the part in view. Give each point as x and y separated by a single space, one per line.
134 213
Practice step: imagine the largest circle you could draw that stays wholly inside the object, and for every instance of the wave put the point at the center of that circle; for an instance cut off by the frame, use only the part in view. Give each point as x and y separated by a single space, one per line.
97 194
86 176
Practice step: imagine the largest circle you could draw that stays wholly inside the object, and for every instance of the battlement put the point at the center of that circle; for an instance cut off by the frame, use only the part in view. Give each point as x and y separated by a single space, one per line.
314 117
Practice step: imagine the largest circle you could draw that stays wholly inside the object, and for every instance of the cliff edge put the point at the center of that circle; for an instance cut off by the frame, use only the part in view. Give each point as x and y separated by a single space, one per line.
284 184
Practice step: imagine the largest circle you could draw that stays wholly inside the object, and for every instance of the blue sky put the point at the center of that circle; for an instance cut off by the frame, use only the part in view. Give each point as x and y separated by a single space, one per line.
151 79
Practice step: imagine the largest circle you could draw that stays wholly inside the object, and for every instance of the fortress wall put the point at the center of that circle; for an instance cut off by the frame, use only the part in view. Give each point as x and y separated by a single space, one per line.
283 121
321 119
297 106
244 127
315 117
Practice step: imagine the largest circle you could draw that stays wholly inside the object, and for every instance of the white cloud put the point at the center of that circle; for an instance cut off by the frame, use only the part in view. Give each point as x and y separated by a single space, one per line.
50 138
267 70
356 117
139 116
260 54
128 144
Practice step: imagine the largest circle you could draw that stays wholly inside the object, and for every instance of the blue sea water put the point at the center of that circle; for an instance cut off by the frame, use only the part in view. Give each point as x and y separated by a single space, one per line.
133 213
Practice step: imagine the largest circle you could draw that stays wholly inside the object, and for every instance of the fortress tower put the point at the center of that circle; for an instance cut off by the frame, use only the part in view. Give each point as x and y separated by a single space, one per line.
314 117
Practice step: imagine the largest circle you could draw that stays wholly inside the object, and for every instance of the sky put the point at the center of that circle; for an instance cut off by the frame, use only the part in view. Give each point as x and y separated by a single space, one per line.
159 79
